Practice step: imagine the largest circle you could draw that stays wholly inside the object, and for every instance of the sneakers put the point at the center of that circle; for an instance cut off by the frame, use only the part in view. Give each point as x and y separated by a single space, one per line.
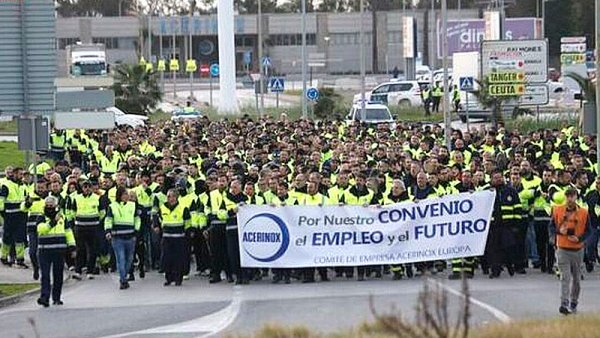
564 310
124 286
58 302
77 276
186 277
573 308
131 277
6 262
89 276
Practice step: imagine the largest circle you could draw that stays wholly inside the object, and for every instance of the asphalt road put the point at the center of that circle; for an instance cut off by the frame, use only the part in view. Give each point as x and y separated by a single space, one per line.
97 308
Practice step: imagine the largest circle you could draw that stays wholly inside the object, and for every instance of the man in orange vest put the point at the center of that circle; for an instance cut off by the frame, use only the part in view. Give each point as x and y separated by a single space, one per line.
570 226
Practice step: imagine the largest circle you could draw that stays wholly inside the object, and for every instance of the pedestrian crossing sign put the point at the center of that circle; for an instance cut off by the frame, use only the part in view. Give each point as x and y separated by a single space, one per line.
466 83
277 85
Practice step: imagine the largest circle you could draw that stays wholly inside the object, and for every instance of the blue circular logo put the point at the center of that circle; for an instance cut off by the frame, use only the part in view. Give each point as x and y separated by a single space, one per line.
312 94
214 69
265 237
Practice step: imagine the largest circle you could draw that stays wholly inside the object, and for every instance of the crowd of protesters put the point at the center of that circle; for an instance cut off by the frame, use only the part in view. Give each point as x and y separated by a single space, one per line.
167 194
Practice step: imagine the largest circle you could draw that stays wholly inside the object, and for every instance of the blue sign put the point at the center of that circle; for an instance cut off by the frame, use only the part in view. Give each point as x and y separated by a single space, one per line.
277 85
466 83
266 61
247 57
312 94
214 70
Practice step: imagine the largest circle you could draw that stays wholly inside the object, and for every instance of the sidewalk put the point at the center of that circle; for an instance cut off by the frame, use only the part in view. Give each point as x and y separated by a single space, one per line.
15 275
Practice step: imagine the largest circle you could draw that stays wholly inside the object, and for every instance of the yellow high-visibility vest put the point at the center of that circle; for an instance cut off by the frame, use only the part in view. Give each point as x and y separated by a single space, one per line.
174 65
190 66
161 66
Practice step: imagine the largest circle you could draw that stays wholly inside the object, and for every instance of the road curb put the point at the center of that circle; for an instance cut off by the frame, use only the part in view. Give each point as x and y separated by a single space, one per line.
10 300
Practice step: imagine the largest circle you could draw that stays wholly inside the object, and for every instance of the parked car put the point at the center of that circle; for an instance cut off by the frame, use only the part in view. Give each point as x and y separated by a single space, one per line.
375 113
122 118
403 93
182 115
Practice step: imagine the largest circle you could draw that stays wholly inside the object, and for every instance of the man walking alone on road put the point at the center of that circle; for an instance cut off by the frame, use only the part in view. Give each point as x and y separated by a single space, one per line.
570 226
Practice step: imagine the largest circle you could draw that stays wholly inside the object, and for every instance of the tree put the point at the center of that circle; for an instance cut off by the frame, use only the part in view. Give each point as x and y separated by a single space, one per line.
491 102
70 8
136 91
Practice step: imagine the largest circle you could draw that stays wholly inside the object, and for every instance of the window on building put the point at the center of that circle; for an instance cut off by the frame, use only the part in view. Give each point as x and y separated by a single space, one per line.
109 43
292 39
64 42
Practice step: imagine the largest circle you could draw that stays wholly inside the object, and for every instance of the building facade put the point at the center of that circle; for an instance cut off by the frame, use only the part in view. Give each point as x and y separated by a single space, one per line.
332 38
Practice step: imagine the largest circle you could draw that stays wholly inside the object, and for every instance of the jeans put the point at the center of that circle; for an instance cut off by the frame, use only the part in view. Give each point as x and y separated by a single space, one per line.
124 249
569 263
52 260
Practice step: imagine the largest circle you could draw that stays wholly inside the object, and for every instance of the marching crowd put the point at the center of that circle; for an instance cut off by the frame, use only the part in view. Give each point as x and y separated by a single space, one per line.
165 196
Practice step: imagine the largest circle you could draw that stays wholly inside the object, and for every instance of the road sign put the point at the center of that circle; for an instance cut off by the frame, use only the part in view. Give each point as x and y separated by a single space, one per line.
507 77
506 65
27 57
572 58
535 95
467 83
507 89
573 48
204 69
84 120
533 53
312 94
573 39
266 61
277 85
247 57
38 126
214 70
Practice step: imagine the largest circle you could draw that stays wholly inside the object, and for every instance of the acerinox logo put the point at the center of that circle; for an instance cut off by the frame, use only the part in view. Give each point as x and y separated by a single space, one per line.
265 237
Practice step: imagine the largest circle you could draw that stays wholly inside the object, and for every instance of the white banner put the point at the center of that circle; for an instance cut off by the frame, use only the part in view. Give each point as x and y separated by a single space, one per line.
312 236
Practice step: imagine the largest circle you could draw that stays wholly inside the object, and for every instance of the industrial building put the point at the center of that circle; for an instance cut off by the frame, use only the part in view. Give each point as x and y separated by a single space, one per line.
332 39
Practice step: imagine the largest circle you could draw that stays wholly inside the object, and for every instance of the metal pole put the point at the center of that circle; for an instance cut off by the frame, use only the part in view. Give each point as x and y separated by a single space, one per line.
210 101
544 19
150 37
447 127
467 111
363 110
431 44
161 57
403 42
173 44
598 83
26 87
260 59
190 56
304 57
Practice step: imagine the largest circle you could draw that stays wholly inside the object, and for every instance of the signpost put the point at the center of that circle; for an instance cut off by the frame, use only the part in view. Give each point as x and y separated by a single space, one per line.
512 66
277 85
467 84
214 72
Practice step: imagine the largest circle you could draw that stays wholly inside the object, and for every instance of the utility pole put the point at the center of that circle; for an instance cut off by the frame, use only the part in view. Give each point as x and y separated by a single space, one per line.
261 81
190 56
447 127
363 108
304 60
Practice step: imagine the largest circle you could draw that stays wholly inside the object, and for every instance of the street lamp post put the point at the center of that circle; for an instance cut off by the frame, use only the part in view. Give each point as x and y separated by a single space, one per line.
363 111
260 60
447 127
304 102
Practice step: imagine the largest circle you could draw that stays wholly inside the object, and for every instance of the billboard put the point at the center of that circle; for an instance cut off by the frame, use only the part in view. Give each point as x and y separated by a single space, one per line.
466 35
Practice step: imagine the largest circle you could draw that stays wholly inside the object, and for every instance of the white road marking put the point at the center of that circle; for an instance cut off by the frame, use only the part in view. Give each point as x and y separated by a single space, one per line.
499 314
207 326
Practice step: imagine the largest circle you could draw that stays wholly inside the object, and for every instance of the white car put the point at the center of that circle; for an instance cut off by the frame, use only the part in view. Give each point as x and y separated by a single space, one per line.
403 93
375 113
182 115
438 76
131 120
